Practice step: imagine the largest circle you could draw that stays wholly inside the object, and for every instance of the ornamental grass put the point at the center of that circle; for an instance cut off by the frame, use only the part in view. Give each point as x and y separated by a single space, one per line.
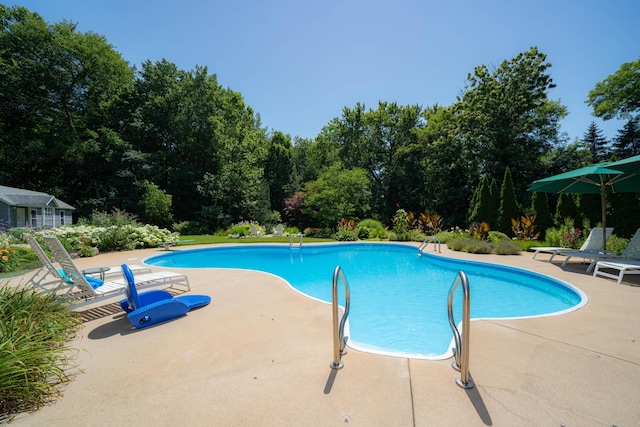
36 360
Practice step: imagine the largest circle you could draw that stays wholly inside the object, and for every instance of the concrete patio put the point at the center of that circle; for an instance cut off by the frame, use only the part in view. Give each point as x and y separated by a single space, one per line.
259 356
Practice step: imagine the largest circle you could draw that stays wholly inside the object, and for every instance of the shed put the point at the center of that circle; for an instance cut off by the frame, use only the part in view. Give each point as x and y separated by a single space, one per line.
26 208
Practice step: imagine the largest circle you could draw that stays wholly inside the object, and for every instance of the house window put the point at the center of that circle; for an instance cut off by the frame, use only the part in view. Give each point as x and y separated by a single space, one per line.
48 217
34 218
61 217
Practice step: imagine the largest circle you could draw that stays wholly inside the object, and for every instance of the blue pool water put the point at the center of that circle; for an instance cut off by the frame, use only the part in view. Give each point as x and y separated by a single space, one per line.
398 299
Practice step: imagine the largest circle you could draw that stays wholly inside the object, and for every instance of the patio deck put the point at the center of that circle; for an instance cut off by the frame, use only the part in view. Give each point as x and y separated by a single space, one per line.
259 356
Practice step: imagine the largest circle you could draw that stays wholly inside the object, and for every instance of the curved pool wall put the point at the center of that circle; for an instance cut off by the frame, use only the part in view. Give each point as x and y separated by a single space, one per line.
398 298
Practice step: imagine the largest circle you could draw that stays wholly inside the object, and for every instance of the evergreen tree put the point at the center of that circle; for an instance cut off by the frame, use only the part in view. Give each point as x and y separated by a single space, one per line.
479 209
590 207
627 143
540 207
494 202
566 208
624 213
508 205
596 143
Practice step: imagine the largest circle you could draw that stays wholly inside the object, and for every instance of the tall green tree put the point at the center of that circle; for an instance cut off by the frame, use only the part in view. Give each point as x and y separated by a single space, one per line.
482 209
618 95
57 86
509 207
155 206
449 171
382 142
596 143
338 193
627 143
507 118
566 208
540 208
278 169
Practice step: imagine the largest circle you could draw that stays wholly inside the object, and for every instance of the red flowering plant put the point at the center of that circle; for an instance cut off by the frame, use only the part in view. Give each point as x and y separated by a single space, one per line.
571 237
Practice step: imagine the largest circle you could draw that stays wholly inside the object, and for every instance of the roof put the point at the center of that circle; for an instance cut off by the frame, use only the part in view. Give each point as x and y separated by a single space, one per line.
27 198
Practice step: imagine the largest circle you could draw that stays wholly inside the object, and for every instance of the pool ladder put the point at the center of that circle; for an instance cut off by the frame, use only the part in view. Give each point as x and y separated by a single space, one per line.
339 340
426 242
461 351
291 242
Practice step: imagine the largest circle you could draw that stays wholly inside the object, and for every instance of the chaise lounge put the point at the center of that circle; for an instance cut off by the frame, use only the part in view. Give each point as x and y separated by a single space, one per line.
85 289
593 243
627 263
153 307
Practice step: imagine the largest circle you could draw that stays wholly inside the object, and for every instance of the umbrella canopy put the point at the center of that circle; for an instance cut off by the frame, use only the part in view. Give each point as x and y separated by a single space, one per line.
607 177
587 180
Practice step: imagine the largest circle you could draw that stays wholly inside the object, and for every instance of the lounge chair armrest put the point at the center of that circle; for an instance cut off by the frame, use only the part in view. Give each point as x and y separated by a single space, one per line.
157 312
147 298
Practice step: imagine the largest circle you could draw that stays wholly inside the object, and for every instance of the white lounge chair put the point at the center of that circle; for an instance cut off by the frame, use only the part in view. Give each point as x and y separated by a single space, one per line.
623 267
279 230
631 252
593 243
628 262
47 278
85 289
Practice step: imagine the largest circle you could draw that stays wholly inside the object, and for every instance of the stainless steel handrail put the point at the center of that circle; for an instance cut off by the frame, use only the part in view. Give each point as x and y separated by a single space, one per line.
461 361
291 236
426 242
339 340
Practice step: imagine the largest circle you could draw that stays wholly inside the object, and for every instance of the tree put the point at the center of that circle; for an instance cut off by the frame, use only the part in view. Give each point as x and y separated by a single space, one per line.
624 213
540 208
627 143
278 169
509 207
338 193
618 95
565 208
480 210
57 88
507 119
155 206
596 144
449 170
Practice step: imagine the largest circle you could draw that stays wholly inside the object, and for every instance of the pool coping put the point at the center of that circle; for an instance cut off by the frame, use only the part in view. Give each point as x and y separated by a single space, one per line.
265 361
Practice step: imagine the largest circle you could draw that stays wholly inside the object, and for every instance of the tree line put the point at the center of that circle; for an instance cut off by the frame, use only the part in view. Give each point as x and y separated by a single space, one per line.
77 121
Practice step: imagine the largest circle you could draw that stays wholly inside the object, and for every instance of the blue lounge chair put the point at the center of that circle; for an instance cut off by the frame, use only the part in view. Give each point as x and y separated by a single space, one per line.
153 307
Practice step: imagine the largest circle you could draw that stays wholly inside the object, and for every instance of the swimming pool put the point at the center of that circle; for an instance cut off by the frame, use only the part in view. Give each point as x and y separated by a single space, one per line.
398 299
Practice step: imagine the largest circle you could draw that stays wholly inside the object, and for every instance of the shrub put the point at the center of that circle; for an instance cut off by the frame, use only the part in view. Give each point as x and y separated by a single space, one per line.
35 358
553 237
430 222
191 227
496 236
617 244
524 228
292 230
506 247
86 239
401 223
473 246
479 230
347 231
371 229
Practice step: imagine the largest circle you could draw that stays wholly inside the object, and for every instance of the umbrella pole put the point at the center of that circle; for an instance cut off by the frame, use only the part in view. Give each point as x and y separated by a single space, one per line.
604 217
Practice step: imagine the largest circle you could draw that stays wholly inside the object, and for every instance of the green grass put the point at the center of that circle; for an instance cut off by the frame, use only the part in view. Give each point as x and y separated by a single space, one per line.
35 358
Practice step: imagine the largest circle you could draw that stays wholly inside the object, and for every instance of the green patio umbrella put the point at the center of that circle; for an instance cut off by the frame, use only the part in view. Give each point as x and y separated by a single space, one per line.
601 178
630 181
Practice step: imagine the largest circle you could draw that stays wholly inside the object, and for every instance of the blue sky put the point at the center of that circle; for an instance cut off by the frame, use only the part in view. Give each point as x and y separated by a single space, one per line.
298 63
